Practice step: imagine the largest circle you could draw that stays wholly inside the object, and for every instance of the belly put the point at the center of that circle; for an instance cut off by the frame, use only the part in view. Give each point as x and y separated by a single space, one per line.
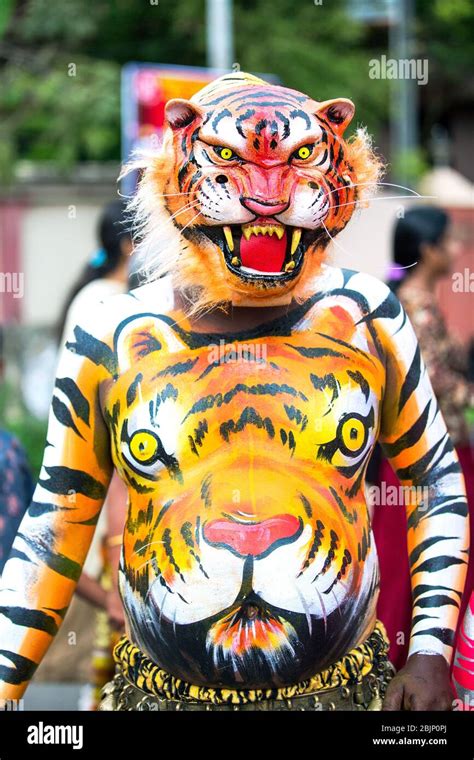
256 616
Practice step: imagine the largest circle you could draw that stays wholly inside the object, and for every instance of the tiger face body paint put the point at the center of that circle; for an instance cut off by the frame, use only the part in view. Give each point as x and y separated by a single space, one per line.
238 576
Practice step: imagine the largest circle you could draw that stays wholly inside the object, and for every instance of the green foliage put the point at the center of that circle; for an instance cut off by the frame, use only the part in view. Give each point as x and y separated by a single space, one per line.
46 114
411 164
6 9
313 48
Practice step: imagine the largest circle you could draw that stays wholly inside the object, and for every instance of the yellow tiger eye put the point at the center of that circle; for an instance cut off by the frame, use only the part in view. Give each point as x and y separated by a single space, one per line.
143 445
353 434
226 153
304 152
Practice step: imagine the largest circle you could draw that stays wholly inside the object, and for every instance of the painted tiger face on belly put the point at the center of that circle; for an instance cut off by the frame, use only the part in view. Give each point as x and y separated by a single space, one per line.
247 550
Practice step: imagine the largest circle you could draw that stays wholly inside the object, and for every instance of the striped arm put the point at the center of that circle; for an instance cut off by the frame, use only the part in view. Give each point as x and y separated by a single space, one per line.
417 444
45 563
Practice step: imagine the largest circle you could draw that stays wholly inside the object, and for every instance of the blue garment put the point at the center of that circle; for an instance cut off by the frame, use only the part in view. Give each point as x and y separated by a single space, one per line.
16 490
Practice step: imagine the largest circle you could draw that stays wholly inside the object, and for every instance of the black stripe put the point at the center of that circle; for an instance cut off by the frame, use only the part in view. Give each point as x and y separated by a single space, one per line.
78 401
388 309
286 124
63 480
417 471
349 517
132 390
61 564
249 416
411 436
347 346
327 381
182 174
243 117
147 345
418 551
193 181
260 103
298 113
242 94
261 389
411 381
438 600
63 415
169 553
306 504
38 509
180 368
323 159
217 119
419 618
423 588
16 554
435 564
36 619
23 668
296 415
92 348
359 378
316 353
455 508
446 635
134 483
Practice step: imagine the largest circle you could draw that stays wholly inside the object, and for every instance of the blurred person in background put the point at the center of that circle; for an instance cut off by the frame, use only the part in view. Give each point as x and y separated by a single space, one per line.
106 274
424 250
16 483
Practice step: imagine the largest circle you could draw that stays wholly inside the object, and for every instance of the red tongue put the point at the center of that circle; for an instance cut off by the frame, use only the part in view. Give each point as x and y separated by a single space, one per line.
266 253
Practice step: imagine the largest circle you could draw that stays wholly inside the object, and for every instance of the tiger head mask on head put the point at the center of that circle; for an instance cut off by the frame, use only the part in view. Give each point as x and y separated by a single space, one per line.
251 183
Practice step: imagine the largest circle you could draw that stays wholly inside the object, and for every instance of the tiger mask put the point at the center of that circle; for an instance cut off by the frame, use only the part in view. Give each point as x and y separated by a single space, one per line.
252 182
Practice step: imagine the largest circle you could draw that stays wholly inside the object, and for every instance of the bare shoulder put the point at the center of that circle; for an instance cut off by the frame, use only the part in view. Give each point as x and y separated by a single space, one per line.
370 289
379 308
104 318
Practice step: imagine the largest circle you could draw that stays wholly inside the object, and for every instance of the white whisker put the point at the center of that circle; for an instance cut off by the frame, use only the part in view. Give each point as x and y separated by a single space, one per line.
146 563
168 195
144 547
188 207
190 221
306 609
379 184
338 245
382 198
323 609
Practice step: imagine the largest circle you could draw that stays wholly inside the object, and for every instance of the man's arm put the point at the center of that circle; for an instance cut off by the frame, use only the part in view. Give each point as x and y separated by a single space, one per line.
417 444
54 536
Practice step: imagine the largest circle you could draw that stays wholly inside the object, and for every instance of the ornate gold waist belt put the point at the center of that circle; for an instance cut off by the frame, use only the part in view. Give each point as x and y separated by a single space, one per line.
145 678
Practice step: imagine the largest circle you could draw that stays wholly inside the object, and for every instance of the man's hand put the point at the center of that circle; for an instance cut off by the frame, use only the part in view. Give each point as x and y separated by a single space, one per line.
423 684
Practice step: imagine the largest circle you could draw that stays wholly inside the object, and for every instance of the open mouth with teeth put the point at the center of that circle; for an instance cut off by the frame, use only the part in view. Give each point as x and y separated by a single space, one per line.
263 249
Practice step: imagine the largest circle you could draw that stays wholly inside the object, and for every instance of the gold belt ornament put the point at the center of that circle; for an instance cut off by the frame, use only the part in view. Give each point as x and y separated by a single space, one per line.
362 673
